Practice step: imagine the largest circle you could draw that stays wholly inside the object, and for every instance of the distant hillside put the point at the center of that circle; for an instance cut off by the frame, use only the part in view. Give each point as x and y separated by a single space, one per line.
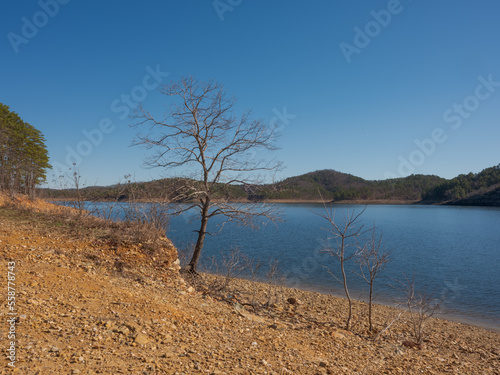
465 189
490 198
337 186
472 189
162 189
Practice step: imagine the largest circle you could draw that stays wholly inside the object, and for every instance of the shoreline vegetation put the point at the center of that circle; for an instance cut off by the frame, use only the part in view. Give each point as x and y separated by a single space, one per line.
480 189
270 201
281 201
366 202
95 294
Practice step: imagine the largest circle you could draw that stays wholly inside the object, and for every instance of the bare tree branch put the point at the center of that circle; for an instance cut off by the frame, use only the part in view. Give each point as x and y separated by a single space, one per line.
200 132
347 237
371 260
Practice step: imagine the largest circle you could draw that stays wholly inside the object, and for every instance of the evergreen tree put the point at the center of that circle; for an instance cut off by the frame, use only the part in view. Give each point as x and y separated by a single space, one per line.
23 155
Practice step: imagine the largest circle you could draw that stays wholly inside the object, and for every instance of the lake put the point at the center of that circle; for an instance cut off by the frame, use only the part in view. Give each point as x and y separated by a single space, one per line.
453 252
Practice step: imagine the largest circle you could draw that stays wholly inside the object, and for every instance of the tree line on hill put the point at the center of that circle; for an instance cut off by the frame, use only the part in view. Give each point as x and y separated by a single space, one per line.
465 186
336 186
23 155
475 189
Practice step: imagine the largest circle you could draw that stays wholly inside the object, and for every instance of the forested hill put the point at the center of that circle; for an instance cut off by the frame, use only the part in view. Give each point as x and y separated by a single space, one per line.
481 189
337 186
472 189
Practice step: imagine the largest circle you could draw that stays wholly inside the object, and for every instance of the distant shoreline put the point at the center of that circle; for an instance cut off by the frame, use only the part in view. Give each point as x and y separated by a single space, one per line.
285 201
368 202
354 201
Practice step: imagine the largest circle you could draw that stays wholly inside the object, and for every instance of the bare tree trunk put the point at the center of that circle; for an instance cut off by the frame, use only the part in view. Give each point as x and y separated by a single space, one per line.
372 259
346 289
202 132
348 232
370 307
193 264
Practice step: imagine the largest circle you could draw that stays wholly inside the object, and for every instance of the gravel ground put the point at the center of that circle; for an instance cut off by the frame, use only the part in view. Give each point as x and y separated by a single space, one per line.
88 305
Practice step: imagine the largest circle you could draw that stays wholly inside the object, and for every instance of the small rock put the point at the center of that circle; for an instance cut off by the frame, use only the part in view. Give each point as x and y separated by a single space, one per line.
168 354
122 329
142 339
242 312
338 335
133 326
167 339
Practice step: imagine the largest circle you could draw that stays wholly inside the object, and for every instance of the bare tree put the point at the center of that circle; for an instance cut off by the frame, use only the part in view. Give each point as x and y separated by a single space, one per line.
347 236
253 266
273 276
371 260
200 133
226 266
421 306
78 201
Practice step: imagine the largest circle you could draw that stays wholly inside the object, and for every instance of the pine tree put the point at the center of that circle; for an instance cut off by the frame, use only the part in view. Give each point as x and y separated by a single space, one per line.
23 155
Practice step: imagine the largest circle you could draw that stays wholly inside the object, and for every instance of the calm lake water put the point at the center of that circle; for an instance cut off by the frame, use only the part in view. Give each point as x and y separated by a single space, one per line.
454 252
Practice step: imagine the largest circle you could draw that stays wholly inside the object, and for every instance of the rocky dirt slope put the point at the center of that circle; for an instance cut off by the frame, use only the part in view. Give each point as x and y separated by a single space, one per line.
88 303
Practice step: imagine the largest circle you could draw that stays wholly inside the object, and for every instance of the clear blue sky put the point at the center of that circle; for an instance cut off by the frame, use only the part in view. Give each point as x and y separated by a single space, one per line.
408 78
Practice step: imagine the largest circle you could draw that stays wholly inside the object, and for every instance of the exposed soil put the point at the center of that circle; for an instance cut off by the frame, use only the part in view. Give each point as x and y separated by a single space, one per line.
92 303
